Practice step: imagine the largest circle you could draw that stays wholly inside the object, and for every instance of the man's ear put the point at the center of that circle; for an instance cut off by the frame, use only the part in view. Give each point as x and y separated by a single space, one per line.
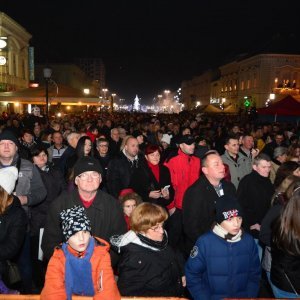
204 170
76 180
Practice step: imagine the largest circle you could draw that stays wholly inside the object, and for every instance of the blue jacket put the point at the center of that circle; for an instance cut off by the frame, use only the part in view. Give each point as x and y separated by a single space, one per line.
219 269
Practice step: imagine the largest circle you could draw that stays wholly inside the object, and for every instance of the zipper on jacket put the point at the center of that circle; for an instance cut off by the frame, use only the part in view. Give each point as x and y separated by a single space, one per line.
100 281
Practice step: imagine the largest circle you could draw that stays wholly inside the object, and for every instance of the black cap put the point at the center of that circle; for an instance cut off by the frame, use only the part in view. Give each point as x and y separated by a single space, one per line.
86 164
137 133
8 135
187 139
227 207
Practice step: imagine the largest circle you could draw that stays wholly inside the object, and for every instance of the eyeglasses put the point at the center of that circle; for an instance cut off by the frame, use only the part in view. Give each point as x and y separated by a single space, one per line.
103 145
93 175
158 227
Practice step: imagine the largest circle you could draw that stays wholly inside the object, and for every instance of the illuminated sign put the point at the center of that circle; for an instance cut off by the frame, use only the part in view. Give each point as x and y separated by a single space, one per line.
31 63
214 101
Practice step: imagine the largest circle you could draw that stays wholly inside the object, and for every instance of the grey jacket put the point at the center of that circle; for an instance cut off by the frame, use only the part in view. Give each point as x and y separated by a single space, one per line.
29 183
237 169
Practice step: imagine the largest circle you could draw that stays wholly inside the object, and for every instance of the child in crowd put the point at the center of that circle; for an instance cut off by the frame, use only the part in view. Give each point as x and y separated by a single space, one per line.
82 265
224 262
129 201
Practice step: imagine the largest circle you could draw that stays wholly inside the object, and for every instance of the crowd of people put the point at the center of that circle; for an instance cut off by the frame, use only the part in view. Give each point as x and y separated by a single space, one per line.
110 205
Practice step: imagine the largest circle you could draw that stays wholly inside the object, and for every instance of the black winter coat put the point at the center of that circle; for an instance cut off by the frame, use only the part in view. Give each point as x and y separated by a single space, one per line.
105 214
13 224
284 263
146 272
143 182
254 194
54 183
199 208
119 173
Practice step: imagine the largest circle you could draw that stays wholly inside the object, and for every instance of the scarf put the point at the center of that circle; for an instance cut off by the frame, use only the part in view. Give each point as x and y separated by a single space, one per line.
155 244
78 272
221 232
154 169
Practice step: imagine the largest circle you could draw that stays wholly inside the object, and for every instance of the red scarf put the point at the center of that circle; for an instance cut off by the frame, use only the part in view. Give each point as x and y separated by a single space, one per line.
85 203
154 169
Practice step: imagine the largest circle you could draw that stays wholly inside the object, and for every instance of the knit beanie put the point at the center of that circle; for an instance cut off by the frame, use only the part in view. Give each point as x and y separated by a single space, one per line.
74 220
8 178
227 207
8 135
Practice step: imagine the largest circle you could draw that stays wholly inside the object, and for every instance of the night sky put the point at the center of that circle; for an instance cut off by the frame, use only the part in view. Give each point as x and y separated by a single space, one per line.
151 45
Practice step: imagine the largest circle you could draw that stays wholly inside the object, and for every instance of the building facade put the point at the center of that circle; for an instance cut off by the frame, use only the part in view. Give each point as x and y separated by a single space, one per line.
94 68
14 58
246 81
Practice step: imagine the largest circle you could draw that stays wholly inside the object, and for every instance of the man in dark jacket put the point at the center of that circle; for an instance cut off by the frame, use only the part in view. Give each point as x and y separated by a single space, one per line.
103 210
254 194
122 167
200 198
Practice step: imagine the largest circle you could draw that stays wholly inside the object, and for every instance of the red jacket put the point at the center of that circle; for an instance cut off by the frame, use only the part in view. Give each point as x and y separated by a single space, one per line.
103 278
185 170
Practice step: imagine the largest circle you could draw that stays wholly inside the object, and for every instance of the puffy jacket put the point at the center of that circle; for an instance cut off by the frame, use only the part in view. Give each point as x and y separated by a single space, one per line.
218 269
184 170
145 271
102 274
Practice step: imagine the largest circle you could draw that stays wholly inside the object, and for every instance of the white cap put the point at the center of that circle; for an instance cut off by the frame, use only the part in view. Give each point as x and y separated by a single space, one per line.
8 178
166 138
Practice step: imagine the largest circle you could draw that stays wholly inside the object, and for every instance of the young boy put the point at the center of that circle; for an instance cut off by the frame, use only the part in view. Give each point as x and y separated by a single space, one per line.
82 265
224 262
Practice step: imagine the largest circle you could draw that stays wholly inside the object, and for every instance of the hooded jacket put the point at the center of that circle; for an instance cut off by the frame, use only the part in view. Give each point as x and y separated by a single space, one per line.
185 170
145 270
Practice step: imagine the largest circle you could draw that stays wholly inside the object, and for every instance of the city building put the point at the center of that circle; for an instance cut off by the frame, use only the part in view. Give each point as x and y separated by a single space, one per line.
14 55
94 68
248 81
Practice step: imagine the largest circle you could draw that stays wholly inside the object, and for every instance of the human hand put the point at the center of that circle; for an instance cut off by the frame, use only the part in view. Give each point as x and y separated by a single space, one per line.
23 199
171 211
165 193
254 152
155 194
183 280
255 227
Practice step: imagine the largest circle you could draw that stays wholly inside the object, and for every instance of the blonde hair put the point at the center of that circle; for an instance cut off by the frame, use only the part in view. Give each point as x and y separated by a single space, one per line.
5 200
147 215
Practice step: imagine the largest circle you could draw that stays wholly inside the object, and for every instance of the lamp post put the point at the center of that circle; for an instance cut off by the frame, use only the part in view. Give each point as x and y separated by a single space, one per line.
47 75
104 92
112 102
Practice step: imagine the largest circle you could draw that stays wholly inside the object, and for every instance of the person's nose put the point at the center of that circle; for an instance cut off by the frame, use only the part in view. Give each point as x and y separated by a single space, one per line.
80 235
235 222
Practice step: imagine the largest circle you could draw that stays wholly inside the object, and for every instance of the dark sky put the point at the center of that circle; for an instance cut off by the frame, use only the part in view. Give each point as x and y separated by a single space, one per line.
151 45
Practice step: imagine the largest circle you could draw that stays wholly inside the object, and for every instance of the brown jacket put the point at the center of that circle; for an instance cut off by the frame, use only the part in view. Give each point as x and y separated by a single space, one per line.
103 278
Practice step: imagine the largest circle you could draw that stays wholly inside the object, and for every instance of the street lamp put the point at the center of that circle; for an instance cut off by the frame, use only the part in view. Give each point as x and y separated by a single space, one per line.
104 91
112 102
167 92
47 76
